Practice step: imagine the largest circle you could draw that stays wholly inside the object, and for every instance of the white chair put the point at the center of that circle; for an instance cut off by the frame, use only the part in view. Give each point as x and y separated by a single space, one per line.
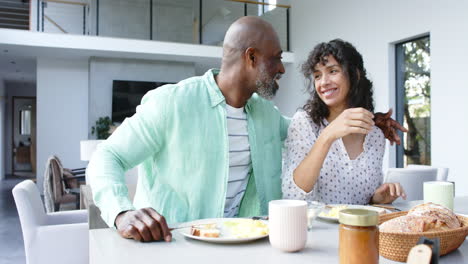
412 180
442 172
60 237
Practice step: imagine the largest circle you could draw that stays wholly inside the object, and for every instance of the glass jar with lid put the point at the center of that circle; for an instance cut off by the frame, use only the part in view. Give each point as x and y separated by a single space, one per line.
359 236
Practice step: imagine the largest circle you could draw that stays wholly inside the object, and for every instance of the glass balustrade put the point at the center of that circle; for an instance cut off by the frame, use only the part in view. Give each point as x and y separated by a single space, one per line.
183 21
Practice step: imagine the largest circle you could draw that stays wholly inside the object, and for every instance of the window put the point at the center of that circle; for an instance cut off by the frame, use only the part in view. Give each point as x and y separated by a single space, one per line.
265 8
413 101
25 122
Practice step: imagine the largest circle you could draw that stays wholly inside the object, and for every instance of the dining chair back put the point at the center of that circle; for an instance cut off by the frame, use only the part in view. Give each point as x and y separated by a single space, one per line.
411 179
60 185
442 172
53 238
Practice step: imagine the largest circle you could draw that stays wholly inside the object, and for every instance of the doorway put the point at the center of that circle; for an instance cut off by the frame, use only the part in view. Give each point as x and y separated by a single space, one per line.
24 136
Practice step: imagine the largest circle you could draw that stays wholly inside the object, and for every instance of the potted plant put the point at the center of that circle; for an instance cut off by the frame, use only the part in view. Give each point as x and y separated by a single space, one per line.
102 127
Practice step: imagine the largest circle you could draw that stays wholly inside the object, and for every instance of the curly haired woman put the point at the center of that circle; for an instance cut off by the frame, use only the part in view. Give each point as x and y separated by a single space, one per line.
334 151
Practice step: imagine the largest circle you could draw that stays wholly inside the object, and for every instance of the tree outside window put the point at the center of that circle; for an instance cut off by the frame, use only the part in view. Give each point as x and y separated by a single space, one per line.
414 101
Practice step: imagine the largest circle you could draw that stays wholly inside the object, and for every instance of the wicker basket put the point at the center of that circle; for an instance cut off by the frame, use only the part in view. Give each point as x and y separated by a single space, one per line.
396 245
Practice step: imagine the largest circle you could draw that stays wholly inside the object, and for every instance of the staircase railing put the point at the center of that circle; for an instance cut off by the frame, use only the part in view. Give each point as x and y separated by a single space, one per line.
14 14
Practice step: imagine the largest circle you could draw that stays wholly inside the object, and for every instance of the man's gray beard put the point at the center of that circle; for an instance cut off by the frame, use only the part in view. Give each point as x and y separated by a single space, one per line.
266 86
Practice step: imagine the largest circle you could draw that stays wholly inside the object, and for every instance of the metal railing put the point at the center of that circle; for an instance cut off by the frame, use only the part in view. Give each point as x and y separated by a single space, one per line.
62 15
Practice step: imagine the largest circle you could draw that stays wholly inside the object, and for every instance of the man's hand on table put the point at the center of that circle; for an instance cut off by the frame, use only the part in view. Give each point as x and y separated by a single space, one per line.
143 225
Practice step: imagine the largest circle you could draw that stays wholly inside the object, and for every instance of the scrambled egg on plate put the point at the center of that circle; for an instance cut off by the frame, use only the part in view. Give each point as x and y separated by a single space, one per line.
334 211
244 228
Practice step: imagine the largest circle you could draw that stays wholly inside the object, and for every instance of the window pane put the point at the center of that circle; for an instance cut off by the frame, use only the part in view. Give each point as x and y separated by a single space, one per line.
25 122
415 110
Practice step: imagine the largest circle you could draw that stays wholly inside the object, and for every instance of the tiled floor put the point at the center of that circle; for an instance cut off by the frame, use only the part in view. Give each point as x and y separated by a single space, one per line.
11 238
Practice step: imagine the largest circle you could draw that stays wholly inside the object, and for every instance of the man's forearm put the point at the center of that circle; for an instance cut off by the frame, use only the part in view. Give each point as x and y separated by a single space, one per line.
107 180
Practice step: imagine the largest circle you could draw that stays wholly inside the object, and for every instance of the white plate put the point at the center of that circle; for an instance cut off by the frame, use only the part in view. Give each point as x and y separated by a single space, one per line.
351 206
225 236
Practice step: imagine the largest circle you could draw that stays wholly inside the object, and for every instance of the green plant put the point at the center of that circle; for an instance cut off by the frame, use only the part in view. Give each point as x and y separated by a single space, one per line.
102 127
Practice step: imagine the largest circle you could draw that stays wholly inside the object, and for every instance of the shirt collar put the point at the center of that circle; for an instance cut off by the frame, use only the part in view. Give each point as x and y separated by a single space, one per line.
216 97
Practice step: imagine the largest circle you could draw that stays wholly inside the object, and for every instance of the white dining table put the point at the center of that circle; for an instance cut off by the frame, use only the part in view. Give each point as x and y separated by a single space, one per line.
106 246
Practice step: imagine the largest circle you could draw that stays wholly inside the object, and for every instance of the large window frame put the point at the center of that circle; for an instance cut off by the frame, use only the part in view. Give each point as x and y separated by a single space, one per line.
400 70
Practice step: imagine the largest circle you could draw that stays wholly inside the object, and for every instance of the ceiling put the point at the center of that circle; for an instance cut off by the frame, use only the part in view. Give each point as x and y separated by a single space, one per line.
14 67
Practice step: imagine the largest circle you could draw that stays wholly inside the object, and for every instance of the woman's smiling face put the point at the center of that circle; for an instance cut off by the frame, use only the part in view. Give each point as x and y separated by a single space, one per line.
331 83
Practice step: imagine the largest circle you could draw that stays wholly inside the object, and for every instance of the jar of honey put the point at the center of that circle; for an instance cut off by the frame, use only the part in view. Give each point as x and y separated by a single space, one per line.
359 236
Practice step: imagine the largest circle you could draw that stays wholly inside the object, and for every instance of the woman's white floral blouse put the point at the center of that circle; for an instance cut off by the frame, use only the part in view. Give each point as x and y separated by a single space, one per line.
341 180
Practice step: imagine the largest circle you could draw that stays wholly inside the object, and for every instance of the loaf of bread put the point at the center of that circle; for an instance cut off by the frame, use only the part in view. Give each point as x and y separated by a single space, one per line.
423 218
439 212
409 223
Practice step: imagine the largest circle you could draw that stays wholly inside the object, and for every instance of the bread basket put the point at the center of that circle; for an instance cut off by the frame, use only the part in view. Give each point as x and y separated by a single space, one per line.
396 245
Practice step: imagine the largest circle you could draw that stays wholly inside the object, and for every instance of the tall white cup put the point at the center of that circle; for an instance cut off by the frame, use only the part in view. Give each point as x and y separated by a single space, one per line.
439 192
288 224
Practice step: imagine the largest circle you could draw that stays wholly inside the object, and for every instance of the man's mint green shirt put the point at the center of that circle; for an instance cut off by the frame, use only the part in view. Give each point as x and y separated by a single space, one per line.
179 139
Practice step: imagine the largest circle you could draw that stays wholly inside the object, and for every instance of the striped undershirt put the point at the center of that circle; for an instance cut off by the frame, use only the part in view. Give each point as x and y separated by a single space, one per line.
239 159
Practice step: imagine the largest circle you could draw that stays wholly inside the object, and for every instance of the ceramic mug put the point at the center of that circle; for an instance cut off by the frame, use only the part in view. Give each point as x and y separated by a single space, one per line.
288 224
439 192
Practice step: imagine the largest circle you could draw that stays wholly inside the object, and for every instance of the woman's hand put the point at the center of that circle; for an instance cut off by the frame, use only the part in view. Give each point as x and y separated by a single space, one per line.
350 121
387 193
389 127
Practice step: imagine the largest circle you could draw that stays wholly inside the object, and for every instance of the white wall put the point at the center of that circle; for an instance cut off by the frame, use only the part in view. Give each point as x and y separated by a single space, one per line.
62 111
291 94
104 70
373 27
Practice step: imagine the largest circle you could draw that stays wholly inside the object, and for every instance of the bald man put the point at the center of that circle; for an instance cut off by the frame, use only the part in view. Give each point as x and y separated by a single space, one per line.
208 146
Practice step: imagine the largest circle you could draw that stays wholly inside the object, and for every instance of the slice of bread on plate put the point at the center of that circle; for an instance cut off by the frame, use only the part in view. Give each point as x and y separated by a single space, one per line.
205 230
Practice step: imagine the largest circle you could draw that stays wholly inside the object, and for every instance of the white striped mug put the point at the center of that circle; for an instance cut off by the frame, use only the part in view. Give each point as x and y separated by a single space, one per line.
288 224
